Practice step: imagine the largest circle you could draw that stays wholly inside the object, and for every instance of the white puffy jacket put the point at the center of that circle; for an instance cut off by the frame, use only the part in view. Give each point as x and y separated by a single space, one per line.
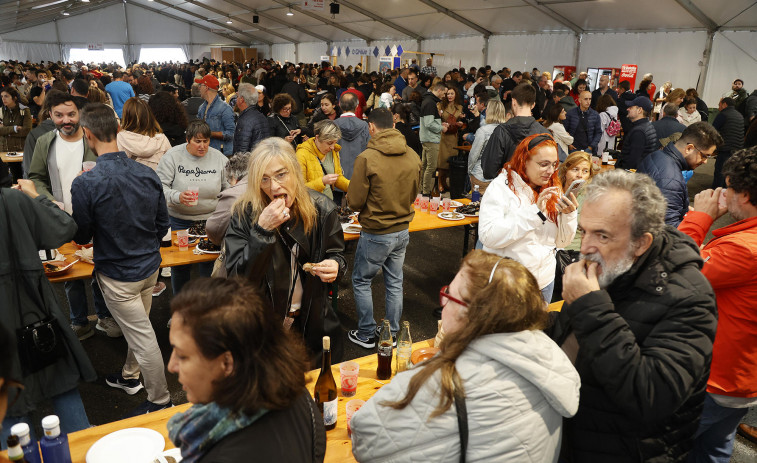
509 226
518 388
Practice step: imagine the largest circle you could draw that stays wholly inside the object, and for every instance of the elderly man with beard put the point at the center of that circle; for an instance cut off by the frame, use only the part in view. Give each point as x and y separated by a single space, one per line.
638 322
57 161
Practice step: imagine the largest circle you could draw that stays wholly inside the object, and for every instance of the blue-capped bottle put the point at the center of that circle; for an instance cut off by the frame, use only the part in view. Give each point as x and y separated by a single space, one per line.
476 196
54 444
31 449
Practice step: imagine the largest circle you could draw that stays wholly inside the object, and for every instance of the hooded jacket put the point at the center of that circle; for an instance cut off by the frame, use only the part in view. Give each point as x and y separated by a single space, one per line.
143 149
354 140
645 347
309 157
385 183
518 387
503 141
666 168
431 121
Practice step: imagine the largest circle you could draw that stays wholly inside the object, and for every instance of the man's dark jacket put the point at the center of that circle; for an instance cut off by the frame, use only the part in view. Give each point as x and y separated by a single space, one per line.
597 94
666 168
593 127
730 124
252 127
667 126
645 347
639 142
503 141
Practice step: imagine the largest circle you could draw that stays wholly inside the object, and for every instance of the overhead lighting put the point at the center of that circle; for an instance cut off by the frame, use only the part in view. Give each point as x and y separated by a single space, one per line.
48 4
228 21
66 13
289 13
85 1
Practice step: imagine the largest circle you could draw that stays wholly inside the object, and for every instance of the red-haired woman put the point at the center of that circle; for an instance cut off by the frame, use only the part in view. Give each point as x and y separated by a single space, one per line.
524 215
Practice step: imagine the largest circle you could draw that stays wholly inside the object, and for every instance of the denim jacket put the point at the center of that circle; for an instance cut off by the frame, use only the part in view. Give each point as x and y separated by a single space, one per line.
120 204
220 118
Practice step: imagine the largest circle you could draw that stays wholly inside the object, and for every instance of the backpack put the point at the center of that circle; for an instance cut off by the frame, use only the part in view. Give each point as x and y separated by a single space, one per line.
613 128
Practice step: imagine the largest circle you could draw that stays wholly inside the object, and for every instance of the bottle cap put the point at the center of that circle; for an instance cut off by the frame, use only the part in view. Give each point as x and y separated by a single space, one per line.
50 422
20 429
326 343
12 441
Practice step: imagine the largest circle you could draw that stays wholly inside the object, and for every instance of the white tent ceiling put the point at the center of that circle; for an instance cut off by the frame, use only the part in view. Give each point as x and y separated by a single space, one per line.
415 19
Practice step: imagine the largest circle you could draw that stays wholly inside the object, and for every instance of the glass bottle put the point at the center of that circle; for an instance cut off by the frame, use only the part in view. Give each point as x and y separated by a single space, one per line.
325 388
404 347
31 449
385 350
15 452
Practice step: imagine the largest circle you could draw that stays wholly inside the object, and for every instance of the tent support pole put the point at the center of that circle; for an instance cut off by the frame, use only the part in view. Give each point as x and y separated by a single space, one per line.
486 49
60 45
128 40
296 52
705 62
577 50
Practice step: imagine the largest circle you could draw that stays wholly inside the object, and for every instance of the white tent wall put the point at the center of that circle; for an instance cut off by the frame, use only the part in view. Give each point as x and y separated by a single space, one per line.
283 52
311 52
466 50
525 52
35 52
672 56
733 57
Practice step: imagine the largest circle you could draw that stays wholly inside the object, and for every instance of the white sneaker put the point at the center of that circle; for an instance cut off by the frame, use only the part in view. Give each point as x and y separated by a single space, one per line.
109 327
158 289
165 272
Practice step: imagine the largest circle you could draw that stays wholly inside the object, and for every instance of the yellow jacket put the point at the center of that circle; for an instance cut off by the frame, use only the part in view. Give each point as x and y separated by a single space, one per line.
308 155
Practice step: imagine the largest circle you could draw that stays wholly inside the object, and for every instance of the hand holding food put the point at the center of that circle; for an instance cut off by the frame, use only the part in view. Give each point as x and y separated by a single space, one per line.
274 215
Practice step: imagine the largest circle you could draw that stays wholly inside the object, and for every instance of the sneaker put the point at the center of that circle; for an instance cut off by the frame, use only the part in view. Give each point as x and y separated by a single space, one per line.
110 327
368 343
165 272
378 336
148 407
83 331
159 288
130 386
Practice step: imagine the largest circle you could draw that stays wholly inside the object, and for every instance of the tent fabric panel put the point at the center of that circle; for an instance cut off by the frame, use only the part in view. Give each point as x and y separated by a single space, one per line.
105 25
466 50
627 15
35 52
148 28
722 12
514 20
525 52
43 33
729 62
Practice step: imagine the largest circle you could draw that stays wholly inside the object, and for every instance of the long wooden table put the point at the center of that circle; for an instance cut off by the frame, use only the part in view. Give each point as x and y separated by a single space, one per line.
171 257
9 159
338 443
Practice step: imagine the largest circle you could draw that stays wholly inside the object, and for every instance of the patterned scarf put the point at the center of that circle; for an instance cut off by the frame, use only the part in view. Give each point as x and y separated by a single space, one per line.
201 426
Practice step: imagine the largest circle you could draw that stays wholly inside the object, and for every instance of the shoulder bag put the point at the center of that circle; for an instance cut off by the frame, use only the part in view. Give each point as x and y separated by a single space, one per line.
462 423
40 343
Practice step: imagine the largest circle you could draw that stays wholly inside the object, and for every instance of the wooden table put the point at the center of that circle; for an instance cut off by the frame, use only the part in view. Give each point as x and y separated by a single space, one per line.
338 443
427 221
9 159
171 257
463 148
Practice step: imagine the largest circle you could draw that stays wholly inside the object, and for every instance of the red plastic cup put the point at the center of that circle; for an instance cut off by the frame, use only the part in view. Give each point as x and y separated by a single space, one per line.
349 373
351 407
182 238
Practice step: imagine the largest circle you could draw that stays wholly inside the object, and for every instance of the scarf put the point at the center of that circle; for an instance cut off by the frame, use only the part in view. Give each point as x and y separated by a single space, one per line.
202 426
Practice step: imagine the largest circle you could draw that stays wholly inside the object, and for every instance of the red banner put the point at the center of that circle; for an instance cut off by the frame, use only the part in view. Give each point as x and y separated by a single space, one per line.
628 72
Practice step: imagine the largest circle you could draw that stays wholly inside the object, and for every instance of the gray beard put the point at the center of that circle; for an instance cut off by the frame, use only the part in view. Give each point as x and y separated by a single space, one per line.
610 272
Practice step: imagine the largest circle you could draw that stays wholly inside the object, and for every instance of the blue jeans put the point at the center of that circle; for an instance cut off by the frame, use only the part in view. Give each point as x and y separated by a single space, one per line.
374 253
77 301
181 273
546 292
69 408
713 442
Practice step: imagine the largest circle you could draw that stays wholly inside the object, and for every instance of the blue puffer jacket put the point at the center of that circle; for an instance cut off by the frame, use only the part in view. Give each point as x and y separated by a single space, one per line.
593 124
252 127
220 118
666 168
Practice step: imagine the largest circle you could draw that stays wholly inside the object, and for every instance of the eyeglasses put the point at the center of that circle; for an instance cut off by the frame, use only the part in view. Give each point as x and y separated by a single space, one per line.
704 155
444 295
286 109
280 178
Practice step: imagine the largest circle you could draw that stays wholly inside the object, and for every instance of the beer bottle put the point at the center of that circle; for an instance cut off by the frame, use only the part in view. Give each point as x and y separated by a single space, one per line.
325 388
384 369
404 347
15 452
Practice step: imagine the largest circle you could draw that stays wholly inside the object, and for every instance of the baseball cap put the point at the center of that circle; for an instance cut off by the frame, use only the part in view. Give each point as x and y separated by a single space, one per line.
642 102
209 80
260 88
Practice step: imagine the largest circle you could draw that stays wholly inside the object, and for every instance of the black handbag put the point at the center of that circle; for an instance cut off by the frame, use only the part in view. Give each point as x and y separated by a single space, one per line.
40 343
564 258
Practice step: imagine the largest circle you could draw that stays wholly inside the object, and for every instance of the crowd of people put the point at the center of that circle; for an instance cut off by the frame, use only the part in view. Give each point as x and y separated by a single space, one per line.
650 356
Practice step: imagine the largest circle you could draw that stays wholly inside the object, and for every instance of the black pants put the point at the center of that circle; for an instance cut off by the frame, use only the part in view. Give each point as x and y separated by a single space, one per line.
717 178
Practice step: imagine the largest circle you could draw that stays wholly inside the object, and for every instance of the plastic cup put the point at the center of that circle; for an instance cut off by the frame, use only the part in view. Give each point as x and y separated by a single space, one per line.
446 203
182 237
351 407
195 190
348 371
596 160
605 157
417 203
86 166
424 204
434 206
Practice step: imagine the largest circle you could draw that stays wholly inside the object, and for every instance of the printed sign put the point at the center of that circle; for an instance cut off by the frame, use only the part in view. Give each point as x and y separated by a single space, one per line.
313 5
95 46
628 72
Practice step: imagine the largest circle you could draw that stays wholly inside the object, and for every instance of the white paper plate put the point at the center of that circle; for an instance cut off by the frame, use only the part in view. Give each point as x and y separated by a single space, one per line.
175 453
206 252
131 445
451 216
454 203
352 228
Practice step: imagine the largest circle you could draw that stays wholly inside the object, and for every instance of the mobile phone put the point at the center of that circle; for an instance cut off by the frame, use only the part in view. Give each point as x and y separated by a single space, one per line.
574 186
721 200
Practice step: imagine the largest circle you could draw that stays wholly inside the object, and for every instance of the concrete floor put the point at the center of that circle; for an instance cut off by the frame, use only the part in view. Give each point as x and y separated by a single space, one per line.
432 260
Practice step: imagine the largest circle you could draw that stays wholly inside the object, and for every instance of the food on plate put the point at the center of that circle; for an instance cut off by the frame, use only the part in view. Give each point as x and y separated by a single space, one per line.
345 214
470 208
198 228
208 246
51 268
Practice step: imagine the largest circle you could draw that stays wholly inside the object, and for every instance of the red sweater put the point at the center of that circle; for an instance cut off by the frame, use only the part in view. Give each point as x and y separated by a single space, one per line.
731 267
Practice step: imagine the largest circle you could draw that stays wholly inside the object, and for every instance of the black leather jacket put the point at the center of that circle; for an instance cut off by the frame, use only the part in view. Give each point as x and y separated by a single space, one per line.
265 260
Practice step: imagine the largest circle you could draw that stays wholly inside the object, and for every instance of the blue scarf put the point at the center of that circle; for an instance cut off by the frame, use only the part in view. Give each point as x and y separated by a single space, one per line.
201 426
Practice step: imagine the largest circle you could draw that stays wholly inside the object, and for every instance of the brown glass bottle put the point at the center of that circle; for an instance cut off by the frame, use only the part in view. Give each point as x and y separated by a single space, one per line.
385 350
325 389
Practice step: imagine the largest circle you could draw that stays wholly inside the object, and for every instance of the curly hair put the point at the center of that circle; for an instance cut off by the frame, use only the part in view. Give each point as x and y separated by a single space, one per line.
741 171
167 110
281 100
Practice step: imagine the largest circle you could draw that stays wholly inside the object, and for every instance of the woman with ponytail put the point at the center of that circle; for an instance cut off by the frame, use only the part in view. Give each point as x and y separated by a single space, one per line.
524 215
498 388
